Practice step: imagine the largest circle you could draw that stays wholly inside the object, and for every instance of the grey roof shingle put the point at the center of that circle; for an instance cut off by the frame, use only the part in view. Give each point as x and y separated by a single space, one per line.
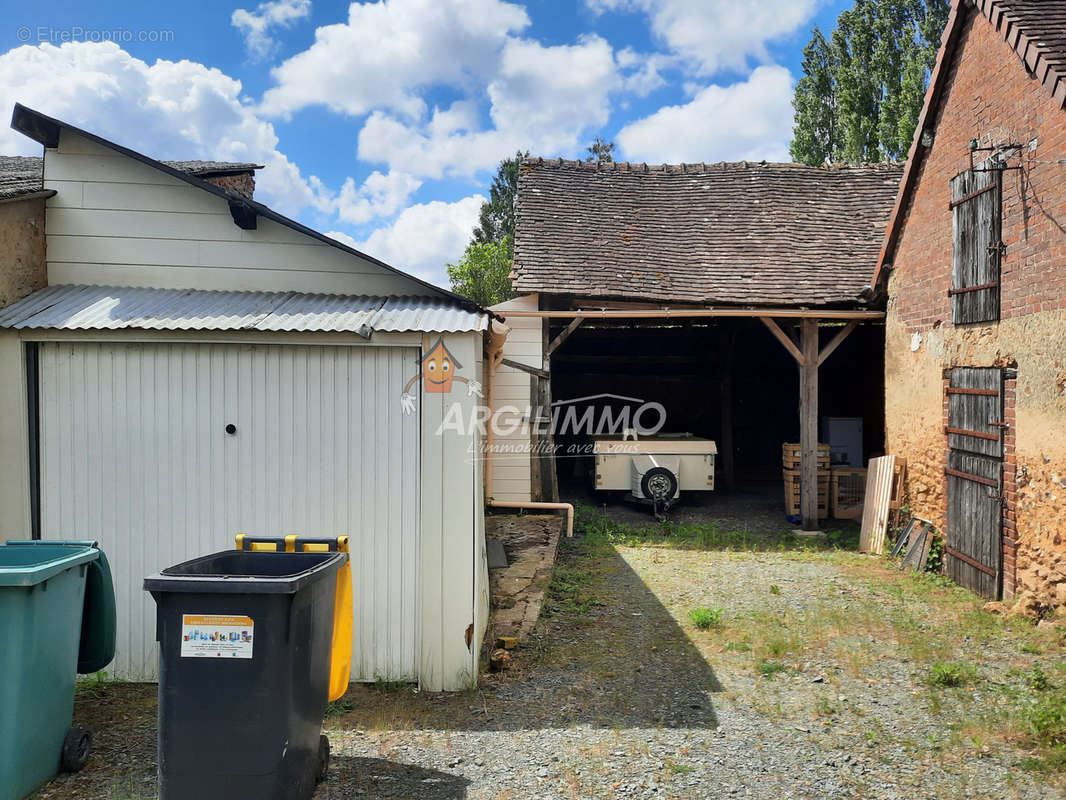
742 233
19 176
24 175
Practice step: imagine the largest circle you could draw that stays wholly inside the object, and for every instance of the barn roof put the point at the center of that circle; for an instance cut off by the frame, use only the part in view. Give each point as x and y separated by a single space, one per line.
741 233
1034 29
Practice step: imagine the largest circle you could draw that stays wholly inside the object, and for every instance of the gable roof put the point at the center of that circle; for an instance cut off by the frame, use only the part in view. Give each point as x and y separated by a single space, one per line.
1034 29
23 176
44 129
732 233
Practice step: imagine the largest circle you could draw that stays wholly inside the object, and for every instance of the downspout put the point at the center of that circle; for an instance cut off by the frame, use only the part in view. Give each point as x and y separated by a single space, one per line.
497 336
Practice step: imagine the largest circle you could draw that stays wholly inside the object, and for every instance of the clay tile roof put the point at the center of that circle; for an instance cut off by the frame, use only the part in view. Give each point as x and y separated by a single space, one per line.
24 175
741 233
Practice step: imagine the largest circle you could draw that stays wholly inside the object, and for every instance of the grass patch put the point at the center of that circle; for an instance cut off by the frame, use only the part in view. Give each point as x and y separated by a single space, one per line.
952 673
1046 720
705 618
679 769
770 669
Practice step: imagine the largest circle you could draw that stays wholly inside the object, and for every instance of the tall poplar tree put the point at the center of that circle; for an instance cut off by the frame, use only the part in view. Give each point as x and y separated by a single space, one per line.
862 90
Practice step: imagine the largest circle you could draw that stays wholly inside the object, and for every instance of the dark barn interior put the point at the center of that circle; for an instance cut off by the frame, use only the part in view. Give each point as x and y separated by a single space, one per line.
710 374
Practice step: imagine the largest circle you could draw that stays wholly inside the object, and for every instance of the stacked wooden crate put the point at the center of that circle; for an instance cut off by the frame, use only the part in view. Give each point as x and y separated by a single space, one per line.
847 489
790 459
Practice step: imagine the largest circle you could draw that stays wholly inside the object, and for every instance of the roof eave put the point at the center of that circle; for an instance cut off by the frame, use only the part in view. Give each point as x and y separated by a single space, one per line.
46 130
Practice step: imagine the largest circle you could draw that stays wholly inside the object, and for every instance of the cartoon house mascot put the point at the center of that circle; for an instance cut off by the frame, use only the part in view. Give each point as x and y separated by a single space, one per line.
437 373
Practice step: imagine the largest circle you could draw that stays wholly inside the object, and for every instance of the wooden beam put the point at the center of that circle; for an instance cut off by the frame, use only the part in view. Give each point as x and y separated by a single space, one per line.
835 342
682 313
808 412
562 337
781 337
540 373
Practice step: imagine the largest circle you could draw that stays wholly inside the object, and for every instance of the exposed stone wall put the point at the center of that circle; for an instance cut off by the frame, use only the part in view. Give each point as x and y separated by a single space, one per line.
242 182
22 263
992 98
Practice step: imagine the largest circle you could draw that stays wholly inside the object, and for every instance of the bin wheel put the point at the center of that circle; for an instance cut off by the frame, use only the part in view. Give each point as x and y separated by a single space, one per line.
76 747
323 758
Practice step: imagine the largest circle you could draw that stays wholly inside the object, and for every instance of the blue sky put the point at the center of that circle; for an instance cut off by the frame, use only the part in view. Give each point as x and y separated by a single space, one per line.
381 123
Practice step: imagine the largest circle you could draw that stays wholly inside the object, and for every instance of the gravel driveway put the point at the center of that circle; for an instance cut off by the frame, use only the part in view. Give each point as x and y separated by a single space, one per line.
617 694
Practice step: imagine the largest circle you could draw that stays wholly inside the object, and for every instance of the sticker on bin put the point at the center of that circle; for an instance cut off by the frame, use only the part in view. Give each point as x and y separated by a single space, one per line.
216 636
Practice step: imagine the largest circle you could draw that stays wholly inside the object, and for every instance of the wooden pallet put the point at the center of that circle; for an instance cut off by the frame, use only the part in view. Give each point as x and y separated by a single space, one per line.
791 478
791 455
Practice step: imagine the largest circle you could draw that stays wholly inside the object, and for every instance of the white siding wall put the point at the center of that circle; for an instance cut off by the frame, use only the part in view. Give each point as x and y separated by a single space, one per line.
450 525
135 455
116 221
511 473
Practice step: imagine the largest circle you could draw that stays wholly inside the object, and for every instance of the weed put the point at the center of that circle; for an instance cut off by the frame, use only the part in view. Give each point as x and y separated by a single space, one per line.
953 673
338 708
386 685
769 669
679 769
1036 680
705 618
778 645
738 647
1046 720
92 685
775 589
824 708
1031 648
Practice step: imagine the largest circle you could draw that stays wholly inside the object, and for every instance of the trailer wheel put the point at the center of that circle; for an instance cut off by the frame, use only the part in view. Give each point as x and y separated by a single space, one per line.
659 484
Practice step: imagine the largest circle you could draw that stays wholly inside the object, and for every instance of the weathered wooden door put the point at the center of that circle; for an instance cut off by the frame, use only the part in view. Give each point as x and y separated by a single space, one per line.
975 476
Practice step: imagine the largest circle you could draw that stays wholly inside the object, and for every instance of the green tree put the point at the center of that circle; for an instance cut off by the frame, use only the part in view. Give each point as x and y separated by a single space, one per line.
861 91
600 151
483 274
815 104
496 221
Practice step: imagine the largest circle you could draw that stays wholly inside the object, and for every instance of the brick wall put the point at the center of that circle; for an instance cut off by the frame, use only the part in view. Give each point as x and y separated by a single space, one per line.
990 97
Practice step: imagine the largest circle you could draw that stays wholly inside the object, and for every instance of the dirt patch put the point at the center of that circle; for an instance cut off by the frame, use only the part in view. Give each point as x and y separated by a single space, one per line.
517 590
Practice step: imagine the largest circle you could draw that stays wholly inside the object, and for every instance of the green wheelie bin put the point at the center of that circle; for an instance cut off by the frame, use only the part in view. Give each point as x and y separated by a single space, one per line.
45 609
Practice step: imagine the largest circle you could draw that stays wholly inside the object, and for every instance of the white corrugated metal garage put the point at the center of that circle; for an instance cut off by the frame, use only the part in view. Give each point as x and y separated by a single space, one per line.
134 454
175 307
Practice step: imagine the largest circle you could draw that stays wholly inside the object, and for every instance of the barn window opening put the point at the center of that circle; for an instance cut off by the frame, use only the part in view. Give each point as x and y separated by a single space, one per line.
977 245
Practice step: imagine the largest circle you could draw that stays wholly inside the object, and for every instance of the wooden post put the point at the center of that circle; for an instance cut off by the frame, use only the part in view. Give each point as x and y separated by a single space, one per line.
727 343
808 412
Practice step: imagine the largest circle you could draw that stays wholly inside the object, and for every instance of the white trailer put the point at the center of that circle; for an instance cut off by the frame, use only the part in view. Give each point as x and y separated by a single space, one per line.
654 470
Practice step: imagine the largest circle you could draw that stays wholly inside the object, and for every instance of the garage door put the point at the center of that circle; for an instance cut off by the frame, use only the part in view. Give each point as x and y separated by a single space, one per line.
136 452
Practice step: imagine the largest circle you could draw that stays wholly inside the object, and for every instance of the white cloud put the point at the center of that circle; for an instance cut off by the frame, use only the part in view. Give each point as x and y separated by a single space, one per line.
644 70
380 195
423 238
543 99
169 109
256 25
750 120
717 34
389 51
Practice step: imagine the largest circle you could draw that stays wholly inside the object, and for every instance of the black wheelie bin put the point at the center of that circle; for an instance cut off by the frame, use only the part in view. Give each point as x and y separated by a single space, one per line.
244 668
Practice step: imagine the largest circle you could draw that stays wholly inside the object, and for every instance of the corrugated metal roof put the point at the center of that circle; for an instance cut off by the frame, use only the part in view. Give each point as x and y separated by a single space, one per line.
126 307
